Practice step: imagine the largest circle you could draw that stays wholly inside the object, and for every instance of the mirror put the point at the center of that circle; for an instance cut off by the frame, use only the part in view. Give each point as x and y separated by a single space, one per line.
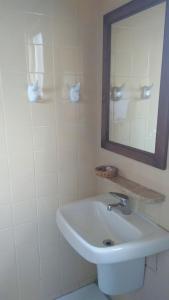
136 60
134 120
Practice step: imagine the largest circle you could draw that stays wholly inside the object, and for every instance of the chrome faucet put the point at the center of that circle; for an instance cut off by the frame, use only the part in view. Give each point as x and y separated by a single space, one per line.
123 203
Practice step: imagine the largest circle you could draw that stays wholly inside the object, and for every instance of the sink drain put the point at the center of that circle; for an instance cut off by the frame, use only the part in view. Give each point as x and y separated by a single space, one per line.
108 243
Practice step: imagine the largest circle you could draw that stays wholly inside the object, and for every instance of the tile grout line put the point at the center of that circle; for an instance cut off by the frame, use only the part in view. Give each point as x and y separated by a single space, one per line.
35 181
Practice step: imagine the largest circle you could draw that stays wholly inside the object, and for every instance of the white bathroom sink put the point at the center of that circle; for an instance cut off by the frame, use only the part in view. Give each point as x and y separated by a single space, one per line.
87 223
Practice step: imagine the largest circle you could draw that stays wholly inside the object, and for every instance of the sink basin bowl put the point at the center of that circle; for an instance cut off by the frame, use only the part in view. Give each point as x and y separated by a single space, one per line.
111 240
87 223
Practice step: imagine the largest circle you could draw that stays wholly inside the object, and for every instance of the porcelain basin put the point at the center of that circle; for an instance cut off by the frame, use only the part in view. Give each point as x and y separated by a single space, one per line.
87 223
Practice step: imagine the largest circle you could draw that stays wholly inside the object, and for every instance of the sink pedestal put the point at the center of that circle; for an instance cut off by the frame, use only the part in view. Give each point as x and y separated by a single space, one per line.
121 278
116 243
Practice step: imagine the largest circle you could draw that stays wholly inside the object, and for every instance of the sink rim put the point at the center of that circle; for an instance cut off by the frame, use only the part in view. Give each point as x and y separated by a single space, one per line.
157 241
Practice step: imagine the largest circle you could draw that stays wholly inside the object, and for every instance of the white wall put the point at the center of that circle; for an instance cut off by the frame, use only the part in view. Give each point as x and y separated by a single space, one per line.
156 283
47 150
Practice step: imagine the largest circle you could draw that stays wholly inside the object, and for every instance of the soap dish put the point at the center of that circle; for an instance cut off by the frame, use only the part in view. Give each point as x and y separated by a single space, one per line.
106 171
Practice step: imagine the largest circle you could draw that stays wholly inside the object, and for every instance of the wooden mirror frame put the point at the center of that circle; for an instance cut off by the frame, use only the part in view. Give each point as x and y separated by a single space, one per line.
159 158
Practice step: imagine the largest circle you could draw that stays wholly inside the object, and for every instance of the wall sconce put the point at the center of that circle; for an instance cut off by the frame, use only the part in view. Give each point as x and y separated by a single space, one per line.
117 93
74 92
34 92
146 92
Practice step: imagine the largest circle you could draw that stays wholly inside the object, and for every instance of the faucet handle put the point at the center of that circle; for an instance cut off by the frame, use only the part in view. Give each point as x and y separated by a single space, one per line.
122 197
123 203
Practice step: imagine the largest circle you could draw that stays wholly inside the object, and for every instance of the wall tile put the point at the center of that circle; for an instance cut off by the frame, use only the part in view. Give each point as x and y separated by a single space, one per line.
43 145
29 273
72 60
5 193
17 109
68 33
26 235
36 7
47 205
19 138
68 260
45 162
6 239
86 182
8 275
67 185
5 216
43 114
48 232
44 138
24 211
47 185
3 148
12 59
23 188
66 11
50 270
21 164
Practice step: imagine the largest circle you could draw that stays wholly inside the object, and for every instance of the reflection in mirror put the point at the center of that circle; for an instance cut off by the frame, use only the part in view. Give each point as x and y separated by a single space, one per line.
136 60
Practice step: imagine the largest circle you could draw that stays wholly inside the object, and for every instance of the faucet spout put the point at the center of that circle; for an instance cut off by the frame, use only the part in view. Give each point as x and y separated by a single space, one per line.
123 203
110 206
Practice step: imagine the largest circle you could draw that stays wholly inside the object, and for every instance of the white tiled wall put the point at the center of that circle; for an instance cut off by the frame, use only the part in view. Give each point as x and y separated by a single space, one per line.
47 150
156 283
